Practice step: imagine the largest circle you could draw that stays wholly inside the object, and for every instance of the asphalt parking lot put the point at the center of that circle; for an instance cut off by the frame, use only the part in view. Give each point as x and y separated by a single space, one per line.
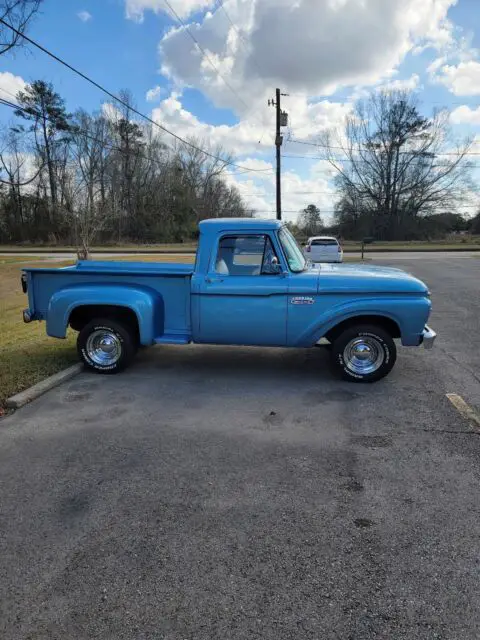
232 493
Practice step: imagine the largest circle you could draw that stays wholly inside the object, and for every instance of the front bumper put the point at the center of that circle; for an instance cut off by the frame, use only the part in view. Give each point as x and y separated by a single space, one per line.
428 337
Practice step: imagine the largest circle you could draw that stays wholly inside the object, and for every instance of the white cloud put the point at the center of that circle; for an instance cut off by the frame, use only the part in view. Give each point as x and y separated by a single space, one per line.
297 192
303 46
154 94
84 16
111 112
406 84
465 115
239 139
255 133
308 119
135 9
462 79
10 85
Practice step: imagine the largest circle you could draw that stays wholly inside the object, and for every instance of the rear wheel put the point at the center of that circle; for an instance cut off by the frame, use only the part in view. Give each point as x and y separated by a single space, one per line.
363 353
106 346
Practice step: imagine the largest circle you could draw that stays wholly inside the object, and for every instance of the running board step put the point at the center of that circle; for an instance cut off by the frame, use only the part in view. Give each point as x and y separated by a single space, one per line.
171 338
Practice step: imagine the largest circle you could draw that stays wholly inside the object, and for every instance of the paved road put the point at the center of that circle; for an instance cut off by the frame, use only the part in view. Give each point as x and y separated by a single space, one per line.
214 493
377 255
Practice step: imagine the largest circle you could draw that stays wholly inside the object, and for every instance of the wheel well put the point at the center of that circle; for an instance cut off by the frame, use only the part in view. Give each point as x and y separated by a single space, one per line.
82 315
386 323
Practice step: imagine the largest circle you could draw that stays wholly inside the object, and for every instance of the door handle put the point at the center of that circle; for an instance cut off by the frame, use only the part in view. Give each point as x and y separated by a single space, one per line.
210 280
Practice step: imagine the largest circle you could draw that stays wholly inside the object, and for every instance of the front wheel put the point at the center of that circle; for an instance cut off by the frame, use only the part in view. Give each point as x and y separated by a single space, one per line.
363 353
106 346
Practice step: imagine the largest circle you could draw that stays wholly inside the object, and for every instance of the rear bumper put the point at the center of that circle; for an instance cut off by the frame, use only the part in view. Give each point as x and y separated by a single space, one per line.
428 337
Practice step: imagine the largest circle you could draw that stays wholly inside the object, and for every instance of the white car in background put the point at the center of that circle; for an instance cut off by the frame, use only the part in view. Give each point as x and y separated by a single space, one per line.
324 249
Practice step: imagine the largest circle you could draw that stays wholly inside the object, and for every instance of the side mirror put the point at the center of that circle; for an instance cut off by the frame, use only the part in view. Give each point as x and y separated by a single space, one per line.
275 265
273 268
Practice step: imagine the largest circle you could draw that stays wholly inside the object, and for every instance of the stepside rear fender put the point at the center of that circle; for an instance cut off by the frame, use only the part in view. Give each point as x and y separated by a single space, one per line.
147 304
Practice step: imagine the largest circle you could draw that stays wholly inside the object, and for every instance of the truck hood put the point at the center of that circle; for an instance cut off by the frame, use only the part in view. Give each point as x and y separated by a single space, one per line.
360 278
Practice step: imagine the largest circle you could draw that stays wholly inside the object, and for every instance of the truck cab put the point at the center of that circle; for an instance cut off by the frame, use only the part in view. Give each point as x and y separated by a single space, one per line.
251 285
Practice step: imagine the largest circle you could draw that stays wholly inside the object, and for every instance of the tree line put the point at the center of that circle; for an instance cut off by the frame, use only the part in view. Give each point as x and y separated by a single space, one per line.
104 177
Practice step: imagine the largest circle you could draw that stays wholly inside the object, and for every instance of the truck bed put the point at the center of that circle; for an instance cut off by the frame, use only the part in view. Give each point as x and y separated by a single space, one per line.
168 284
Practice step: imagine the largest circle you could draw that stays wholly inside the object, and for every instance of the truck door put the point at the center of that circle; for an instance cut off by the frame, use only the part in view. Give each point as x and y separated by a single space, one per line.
243 297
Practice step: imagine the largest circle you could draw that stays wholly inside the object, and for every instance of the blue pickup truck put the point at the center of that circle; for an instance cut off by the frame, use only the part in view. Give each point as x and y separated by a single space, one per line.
250 285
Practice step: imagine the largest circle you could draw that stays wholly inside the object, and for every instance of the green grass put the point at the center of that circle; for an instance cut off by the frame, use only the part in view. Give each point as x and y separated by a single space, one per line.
17 259
27 355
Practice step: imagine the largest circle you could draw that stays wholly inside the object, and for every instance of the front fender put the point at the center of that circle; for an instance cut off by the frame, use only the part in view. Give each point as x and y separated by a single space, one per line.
146 303
409 313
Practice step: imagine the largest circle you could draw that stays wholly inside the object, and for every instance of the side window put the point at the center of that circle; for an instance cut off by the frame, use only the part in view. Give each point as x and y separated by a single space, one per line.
251 255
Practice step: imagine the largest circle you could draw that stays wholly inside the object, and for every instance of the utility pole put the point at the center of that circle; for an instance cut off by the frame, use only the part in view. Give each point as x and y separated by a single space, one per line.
281 121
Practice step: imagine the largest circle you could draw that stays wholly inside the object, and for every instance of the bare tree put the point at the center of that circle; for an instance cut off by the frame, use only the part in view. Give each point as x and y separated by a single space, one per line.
18 14
89 150
18 171
394 165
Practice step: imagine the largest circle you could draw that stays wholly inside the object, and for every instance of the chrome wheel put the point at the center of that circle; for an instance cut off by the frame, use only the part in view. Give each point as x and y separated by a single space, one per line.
104 347
364 355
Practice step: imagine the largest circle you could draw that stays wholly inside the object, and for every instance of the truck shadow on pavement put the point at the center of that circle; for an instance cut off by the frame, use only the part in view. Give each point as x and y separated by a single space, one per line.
213 361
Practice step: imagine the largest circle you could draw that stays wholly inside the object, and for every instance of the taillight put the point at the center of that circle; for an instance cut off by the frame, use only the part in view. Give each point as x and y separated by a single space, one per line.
24 282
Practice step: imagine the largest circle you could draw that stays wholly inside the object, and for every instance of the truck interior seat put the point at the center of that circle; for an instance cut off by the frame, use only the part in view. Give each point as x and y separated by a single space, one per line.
221 267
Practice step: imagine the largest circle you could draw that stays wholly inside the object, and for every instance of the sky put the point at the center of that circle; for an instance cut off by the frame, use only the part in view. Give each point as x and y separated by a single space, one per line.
207 68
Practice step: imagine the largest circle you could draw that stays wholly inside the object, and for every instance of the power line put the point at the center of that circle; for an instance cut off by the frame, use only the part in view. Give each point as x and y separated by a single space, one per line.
207 56
122 102
333 98
76 129
292 193
328 146
356 161
293 211
242 39
239 33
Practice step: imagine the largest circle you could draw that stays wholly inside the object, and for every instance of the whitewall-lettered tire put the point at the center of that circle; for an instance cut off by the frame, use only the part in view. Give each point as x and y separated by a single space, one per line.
363 353
106 346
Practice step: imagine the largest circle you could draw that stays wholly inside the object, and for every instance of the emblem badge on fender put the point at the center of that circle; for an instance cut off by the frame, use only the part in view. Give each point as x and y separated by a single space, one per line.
302 300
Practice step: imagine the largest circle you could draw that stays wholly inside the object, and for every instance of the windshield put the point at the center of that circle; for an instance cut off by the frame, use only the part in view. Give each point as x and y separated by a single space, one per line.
293 253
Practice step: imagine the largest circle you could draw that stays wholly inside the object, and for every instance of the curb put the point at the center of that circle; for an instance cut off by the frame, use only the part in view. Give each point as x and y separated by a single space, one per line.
24 397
